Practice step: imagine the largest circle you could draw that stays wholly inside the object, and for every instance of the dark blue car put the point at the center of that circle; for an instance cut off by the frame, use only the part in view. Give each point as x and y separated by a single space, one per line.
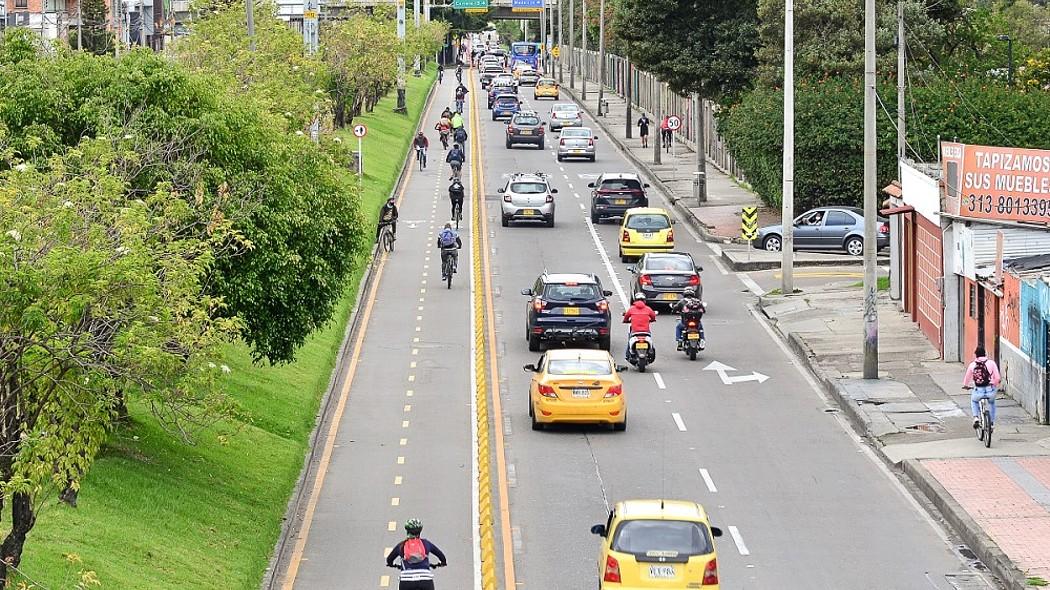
505 106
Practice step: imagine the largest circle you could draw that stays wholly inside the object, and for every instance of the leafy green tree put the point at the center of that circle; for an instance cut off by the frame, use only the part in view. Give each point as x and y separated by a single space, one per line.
103 297
705 47
17 44
96 36
361 54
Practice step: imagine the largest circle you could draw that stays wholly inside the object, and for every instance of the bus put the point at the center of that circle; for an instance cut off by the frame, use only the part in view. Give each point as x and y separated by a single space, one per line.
524 52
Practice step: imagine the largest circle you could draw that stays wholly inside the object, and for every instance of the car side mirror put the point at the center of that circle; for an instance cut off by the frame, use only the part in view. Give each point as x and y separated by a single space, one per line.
715 531
632 269
607 293
554 191
507 123
621 368
599 529
529 368
590 185
527 292
674 222
499 190
646 185
700 269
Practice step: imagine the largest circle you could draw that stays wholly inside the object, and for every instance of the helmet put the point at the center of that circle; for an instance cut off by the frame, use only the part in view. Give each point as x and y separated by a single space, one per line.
420 133
414 526
689 292
639 296
448 225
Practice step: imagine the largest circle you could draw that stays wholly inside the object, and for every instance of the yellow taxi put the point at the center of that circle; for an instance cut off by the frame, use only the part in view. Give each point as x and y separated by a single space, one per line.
546 88
645 229
576 386
519 68
657 544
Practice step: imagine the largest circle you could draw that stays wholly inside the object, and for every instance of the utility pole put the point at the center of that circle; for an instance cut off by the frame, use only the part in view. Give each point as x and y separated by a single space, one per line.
627 92
118 10
871 313
142 22
543 41
561 45
249 14
1009 58
787 199
311 23
601 57
701 149
583 54
658 144
415 16
895 220
572 44
401 105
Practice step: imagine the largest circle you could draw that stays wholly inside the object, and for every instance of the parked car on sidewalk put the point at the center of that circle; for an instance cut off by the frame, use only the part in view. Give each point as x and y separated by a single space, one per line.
567 308
577 142
826 228
525 127
528 197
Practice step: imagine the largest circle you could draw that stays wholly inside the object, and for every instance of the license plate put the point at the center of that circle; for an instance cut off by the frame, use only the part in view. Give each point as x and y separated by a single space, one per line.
647 235
620 201
528 212
662 572
572 311
668 296
693 336
642 345
577 151
582 393
526 131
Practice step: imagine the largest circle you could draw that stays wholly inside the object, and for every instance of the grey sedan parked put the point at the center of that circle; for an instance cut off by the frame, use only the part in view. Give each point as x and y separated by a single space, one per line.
576 142
826 228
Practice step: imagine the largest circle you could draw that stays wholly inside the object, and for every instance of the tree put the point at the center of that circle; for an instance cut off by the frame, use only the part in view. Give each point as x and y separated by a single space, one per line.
361 54
103 296
705 47
95 36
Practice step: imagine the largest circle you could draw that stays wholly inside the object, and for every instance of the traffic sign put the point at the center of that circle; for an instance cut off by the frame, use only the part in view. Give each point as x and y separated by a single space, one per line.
674 122
470 3
360 131
310 15
749 223
556 51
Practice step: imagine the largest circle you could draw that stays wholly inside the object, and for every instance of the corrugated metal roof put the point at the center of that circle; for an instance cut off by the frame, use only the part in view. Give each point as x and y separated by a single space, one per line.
975 246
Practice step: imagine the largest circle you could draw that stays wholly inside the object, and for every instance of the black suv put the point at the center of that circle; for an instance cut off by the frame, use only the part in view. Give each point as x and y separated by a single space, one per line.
525 127
615 193
567 308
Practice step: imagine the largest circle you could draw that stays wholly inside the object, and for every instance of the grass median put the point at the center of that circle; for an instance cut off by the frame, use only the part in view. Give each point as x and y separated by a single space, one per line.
157 513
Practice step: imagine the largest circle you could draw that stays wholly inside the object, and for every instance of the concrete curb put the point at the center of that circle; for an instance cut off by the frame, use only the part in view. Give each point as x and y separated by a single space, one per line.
745 265
965 526
292 520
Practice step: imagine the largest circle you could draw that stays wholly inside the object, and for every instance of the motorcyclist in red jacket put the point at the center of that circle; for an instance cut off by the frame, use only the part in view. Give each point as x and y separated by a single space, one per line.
639 316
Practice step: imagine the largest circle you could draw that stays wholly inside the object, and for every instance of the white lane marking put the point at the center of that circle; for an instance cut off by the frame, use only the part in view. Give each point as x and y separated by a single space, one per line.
678 421
707 480
718 264
659 381
715 248
562 168
572 187
608 265
582 208
740 546
750 284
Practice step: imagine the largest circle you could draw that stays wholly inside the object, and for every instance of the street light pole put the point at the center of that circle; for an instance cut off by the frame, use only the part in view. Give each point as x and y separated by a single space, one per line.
561 44
249 14
871 313
601 56
583 53
787 199
1010 58
572 44
402 106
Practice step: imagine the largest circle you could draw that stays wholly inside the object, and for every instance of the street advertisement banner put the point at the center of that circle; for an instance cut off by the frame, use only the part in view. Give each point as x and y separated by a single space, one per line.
997 183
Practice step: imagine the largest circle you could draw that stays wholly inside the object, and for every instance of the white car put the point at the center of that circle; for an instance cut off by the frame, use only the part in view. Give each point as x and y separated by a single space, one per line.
528 197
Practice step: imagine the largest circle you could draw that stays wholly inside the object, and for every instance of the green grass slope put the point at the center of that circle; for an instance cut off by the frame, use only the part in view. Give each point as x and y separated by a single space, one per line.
156 513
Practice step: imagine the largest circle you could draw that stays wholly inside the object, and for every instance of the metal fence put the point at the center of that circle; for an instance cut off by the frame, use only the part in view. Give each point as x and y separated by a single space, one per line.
646 91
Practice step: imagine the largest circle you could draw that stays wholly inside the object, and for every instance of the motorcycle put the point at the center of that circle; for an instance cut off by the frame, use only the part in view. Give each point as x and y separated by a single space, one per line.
641 350
692 337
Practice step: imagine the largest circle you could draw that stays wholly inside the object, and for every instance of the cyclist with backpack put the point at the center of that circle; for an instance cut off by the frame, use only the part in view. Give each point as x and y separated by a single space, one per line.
414 553
456 195
983 373
449 243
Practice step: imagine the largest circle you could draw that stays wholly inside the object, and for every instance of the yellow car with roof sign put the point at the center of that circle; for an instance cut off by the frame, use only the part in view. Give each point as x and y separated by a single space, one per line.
657 544
546 88
576 386
645 229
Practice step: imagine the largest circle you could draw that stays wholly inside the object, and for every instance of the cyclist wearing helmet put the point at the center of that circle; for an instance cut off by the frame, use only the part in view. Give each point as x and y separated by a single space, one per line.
414 553
689 303
639 316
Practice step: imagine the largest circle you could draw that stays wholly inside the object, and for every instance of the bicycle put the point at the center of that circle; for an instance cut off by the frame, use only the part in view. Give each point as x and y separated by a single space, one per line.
448 266
457 169
386 238
984 425
459 105
400 566
421 156
457 213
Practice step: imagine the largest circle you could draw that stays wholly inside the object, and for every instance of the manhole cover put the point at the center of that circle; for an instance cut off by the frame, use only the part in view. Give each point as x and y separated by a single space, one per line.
925 427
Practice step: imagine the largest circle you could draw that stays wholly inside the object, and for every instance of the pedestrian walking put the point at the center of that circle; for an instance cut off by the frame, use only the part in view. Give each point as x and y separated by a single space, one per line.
643 130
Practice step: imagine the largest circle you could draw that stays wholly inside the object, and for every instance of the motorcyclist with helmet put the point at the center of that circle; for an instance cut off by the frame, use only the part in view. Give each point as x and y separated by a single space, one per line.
689 304
639 316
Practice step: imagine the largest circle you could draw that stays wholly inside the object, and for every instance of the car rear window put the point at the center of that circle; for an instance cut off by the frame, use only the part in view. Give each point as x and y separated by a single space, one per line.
668 263
564 108
528 188
526 121
648 222
579 367
506 101
667 538
575 132
621 184
566 292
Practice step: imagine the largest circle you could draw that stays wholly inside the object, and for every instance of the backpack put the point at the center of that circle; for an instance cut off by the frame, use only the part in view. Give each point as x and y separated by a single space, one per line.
414 551
447 239
460 135
981 376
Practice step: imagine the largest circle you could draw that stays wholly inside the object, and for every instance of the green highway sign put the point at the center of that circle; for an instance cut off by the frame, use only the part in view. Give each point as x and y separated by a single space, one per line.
458 4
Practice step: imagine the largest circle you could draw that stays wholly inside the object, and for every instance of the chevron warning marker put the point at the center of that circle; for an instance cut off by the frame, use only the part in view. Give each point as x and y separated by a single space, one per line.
749 223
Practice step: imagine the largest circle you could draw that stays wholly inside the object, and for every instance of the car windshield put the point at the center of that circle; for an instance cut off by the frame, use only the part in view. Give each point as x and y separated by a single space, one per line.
526 121
668 263
579 366
572 292
621 184
528 188
507 100
648 222
662 538
578 132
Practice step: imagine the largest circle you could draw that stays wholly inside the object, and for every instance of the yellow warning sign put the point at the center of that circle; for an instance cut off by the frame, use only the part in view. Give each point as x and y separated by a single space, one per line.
749 223
310 14
556 51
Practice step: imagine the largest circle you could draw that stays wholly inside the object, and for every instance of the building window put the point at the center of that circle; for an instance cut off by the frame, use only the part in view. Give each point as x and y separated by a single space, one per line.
21 3
973 301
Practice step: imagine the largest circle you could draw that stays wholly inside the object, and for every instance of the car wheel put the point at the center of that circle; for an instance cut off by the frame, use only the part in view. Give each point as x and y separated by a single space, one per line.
605 343
621 426
509 144
594 158
560 158
505 221
550 222
536 425
542 146
595 218
534 343
532 410
771 243
855 246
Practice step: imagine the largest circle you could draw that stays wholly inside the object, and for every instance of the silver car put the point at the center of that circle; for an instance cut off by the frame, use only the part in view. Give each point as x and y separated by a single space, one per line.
528 197
576 142
565 115
528 78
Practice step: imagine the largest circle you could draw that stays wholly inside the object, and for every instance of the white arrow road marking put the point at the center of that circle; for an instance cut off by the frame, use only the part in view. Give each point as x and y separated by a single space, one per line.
659 381
707 480
678 421
740 546
723 372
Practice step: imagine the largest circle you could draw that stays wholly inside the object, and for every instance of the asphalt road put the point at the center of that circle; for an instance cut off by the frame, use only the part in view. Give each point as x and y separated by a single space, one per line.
803 503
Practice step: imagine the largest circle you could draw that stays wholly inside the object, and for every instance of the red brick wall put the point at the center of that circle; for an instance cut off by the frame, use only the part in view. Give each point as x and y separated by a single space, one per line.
34 6
1010 312
928 271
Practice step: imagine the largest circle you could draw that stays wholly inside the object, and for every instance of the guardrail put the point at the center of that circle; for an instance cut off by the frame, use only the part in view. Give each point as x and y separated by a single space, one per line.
646 90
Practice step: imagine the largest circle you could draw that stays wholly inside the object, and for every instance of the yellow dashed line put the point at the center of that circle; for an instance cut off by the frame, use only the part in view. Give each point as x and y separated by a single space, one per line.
397 480
400 460
391 526
404 441
404 424
384 581
408 407
395 501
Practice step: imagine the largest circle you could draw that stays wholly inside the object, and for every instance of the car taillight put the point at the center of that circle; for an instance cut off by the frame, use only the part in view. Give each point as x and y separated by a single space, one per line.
561 142
537 304
710 573
670 236
612 570
506 198
540 130
547 391
590 142
603 305
645 280
884 228
626 236
694 280
550 198
511 130
614 391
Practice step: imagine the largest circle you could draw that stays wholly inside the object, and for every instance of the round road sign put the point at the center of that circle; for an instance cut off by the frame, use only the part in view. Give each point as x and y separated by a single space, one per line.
360 131
674 123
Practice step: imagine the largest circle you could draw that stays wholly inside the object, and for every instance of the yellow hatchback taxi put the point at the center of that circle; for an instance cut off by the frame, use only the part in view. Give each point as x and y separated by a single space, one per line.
645 229
657 544
546 88
576 386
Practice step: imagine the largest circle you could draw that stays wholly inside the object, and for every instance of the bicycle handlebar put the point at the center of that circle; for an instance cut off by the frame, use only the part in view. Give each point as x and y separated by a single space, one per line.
433 566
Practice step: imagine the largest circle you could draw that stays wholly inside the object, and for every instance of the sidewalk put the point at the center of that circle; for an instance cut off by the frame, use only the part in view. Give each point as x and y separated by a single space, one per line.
918 419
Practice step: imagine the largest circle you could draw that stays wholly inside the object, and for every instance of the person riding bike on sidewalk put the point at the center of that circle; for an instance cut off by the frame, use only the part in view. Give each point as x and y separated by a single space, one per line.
639 316
388 216
983 373
414 552
456 195
449 243
689 304
455 158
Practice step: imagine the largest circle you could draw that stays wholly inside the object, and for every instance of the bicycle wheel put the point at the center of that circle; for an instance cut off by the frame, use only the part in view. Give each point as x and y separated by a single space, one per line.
447 271
459 215
388 240
987 418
